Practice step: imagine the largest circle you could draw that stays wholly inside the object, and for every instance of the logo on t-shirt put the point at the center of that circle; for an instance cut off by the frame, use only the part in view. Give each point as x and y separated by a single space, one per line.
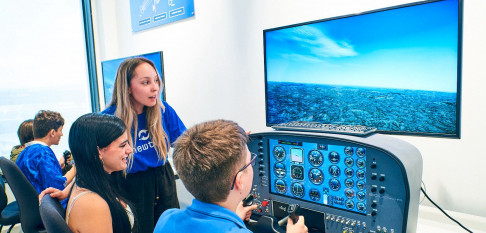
143 142
143 135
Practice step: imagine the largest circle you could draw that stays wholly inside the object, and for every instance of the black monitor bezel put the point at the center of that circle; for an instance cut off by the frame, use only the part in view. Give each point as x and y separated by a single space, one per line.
456 135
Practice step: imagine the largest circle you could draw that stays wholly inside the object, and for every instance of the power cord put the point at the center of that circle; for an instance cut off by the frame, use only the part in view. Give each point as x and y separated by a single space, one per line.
425 189
428 198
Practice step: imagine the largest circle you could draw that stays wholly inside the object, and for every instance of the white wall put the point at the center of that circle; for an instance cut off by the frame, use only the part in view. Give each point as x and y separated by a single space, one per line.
214 69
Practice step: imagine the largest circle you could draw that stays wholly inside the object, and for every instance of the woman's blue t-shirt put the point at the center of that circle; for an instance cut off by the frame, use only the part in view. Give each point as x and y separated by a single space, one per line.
144 154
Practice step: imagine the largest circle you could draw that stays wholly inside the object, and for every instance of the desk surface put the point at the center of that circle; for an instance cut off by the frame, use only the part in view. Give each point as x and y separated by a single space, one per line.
431 220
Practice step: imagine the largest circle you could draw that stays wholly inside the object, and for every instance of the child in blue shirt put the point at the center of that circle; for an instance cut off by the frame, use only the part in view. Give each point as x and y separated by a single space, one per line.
37 161
215 165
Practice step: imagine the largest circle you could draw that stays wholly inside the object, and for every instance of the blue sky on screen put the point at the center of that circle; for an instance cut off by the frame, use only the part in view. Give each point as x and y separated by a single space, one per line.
406 48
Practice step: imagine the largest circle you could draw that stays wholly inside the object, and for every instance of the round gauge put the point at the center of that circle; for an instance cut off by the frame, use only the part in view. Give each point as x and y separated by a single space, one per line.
348 150
360 174
349 172
360 163
349 193
280 186
279 153
349 183
361 207
316 176
298 190
361 152
334 184
314 195
361 195
315 158
334 171
349 204
297 172
334 157
279 170
360 184
349 161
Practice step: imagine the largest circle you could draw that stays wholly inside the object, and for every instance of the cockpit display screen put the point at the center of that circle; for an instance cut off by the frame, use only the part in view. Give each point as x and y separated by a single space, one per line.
332 175
297 155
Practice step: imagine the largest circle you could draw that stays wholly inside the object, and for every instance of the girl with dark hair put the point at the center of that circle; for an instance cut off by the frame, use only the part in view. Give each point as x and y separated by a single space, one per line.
99 145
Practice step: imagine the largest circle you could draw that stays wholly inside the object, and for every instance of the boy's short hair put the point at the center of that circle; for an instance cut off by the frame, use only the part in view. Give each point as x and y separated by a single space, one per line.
26 131
46 120
207 157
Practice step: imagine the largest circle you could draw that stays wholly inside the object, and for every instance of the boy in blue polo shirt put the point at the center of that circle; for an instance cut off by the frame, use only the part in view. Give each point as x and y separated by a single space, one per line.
215 165
37 161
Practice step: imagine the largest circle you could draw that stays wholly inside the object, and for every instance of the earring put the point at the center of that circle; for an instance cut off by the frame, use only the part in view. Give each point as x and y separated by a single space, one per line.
99 155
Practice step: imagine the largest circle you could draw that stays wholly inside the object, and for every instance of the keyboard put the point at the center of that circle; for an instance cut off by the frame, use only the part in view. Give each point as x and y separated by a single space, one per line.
356 130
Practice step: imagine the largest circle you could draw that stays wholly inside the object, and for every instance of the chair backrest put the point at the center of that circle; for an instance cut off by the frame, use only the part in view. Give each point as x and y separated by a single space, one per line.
26 196
52 214
3 195
9 212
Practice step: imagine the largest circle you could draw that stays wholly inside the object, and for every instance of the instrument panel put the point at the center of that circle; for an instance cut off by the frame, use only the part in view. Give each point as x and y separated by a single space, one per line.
342 183
331 175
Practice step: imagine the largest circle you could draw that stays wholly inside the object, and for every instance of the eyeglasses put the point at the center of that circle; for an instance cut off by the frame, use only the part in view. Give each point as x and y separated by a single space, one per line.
252 163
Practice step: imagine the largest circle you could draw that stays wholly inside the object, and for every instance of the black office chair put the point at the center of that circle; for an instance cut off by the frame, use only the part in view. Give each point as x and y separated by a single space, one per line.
9 213
26 196
52 214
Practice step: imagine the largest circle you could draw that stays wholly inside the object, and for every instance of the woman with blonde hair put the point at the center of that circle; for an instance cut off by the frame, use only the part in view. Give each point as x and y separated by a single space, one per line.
152 125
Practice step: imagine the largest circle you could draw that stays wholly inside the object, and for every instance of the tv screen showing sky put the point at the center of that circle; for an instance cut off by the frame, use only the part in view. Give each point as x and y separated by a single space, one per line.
396 69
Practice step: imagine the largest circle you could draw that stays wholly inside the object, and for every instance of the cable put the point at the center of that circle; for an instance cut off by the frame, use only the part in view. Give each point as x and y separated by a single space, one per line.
425 189
428 198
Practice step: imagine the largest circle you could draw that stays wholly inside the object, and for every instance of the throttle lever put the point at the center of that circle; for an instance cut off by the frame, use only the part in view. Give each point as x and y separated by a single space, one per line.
248 201
292 209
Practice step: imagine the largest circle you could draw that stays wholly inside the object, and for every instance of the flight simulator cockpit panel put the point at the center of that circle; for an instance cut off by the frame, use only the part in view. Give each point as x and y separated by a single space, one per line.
342 183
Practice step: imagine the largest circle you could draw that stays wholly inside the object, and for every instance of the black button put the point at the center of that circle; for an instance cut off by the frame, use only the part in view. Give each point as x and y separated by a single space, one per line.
382 190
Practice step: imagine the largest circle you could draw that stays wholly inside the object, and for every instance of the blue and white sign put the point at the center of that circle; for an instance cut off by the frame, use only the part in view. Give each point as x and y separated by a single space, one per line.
150 13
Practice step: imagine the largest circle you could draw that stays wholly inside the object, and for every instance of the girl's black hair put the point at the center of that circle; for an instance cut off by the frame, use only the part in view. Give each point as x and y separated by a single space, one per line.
88 133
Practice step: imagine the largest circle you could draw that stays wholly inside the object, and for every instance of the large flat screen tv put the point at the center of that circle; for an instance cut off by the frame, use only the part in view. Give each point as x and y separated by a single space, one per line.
109 68
397 69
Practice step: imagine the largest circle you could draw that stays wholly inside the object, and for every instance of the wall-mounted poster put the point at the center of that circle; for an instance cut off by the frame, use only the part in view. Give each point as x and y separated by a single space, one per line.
150 13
